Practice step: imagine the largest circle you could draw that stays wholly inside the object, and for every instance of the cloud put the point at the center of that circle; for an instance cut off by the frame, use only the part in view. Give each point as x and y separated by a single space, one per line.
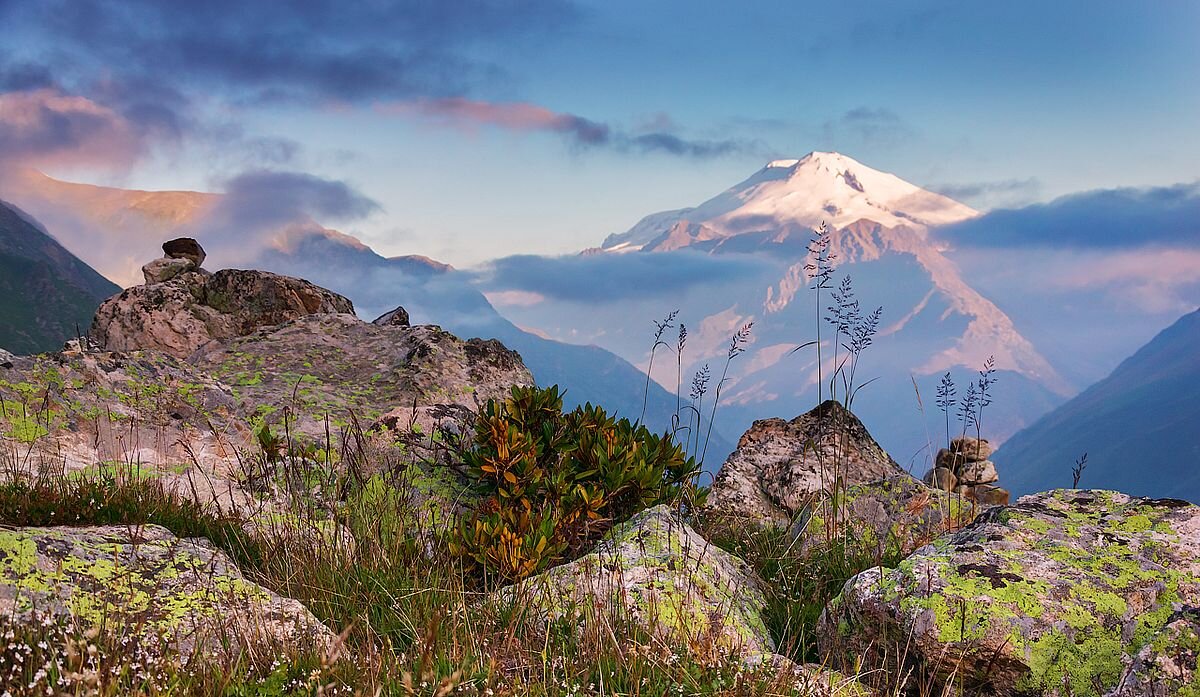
1007 192
304 50
578 131
47 126
608 277
515 116
1111 218
873 126
261 200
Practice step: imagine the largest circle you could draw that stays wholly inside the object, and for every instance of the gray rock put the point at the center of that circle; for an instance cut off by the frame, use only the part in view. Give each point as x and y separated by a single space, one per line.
972 449
397 317
978 472
149 582
163 270
941 478
658 576
191 309
1054 595
337 367
185 248
780 465
6 359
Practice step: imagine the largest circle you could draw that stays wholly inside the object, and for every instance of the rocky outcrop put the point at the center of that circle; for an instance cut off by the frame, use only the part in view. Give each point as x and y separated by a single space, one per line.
780 465
657 574
182 307
965 469
6 359
1061 593
397 317
151 585
330 369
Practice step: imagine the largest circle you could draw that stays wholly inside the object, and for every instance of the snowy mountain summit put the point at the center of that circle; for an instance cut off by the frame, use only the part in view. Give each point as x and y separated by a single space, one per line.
821 186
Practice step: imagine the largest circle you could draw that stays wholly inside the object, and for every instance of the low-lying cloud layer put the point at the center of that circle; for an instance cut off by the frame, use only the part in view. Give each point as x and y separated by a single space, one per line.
1107 219
609 277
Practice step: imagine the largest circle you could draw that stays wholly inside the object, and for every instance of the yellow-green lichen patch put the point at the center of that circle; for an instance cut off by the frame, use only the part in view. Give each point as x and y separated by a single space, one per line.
664 579
1061 589
140 578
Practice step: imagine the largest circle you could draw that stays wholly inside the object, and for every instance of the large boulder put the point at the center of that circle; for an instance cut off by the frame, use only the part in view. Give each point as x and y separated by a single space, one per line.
329 370
655 574
147 584
6 359
191 308
1057 594
780 465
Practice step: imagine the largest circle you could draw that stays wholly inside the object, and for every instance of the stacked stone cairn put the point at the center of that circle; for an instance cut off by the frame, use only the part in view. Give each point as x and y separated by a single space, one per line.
180 256
965 469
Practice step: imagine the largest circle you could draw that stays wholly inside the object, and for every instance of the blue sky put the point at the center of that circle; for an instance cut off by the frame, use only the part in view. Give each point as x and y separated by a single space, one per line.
483 129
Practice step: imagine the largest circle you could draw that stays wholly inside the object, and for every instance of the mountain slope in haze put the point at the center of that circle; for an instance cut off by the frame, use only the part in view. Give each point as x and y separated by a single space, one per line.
122 229
47 295
1140 426
934 321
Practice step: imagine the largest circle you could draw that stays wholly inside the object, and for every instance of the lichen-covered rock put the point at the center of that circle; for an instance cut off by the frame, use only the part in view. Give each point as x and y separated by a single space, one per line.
193 308
1050 596
185 248
655 574
146 580
327 369
163 270
397 317
1167 664
779 465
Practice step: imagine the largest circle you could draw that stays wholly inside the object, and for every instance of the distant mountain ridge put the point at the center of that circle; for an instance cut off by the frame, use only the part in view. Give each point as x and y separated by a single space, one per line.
47 295
1140 426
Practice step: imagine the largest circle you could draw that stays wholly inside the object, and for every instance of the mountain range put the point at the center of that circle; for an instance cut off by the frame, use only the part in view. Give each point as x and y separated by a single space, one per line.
880 226
1139 427
49 295
585 321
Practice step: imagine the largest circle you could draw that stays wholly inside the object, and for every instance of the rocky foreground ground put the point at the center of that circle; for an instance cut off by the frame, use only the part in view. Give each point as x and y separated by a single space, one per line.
264 400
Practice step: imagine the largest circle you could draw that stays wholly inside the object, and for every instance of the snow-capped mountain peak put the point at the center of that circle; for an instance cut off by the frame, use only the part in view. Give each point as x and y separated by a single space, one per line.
819 187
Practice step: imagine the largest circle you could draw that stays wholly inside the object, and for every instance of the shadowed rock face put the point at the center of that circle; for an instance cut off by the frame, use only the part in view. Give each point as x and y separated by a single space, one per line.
779 465
145 581
1060 593
193 308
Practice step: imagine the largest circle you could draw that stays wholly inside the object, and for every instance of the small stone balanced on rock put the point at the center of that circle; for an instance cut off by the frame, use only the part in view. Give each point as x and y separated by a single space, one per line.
181 255
965 469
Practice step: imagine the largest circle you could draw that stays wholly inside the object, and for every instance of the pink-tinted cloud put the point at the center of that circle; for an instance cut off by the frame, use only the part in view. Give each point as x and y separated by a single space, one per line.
515 116
460 112
46 127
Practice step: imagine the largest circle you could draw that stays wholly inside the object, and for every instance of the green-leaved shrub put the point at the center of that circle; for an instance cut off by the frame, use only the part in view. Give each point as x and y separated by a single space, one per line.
555 482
